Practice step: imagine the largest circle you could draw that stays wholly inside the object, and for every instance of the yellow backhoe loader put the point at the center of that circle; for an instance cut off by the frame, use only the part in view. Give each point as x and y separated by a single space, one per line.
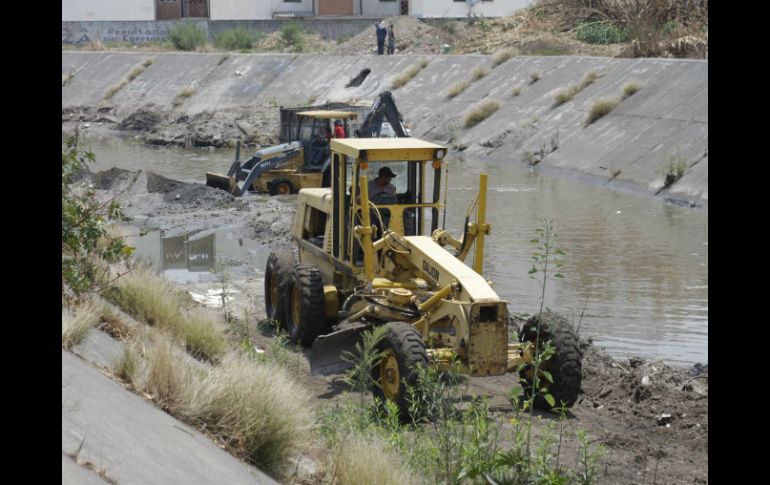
303 162
385 261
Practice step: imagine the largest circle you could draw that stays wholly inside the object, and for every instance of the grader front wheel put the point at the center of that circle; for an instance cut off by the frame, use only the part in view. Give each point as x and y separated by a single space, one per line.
304 305
564 366
403 351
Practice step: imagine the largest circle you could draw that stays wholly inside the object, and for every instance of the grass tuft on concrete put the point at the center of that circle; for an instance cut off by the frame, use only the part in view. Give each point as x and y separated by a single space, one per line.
75 327
600 108
457 88
408 74
503 55
565 94
170 379
516 91
480 112
258 409
534 77
154 301
630 88
478 73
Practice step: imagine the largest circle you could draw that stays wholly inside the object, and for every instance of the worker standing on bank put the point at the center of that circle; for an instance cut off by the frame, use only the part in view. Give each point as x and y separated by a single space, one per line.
391 40
382 32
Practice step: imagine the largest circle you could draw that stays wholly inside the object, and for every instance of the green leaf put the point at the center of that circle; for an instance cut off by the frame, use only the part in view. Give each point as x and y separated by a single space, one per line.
547 375
551 401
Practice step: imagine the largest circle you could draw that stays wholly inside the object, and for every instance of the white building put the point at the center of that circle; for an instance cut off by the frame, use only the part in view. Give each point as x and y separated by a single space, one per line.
117 10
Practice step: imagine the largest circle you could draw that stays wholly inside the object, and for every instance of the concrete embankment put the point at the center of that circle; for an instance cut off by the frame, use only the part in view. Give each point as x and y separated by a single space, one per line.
664 123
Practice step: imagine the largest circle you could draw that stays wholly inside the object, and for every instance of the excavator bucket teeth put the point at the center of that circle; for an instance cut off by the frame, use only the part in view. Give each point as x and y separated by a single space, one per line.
326 353
220 181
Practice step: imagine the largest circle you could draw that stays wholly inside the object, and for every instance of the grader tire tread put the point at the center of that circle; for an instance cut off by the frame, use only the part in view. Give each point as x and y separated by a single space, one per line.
565 365
311 292
280 263
410 352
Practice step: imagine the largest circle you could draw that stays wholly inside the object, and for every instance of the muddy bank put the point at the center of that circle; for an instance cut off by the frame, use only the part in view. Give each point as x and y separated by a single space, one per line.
153 202
156 125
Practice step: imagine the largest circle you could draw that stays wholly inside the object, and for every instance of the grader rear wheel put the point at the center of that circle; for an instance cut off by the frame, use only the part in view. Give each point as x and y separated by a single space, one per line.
277 274
564 366
304 305
403 351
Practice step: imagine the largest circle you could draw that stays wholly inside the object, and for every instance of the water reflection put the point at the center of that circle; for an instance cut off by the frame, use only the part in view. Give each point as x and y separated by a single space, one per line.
193 257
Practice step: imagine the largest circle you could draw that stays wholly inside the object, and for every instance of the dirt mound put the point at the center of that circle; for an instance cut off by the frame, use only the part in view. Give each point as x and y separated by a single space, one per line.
107 179
412 36
158 184
142 119
659 398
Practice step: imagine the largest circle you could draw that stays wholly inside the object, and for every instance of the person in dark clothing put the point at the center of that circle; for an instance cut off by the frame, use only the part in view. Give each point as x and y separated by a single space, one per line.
320 150
391 40
382 32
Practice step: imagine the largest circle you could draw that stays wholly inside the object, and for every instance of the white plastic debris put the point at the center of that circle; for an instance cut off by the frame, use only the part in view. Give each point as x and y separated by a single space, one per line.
645 381
212 298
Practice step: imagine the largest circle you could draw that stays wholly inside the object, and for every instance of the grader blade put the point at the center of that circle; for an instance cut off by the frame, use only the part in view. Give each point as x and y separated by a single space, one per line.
326 353
221 181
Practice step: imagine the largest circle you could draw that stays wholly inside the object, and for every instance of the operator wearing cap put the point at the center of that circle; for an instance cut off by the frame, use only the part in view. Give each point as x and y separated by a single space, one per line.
381 188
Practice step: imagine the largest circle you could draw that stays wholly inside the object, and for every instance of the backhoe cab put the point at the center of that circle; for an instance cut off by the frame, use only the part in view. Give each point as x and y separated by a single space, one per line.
366 261
289 167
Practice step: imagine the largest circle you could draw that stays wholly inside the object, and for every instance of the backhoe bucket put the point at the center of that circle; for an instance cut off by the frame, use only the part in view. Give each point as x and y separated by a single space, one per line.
326 353
221 182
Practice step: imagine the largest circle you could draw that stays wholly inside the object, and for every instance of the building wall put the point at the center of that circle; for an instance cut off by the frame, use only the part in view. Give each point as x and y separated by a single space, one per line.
378 8
107 10
254 9
451 8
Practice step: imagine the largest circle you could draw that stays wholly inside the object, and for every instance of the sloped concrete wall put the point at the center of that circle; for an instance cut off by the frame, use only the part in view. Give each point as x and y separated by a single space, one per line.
666 119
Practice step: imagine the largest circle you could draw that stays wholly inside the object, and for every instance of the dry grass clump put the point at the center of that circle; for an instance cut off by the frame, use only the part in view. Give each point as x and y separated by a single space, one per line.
564 95
516 91
457 88
358 460
223 59
66 78
95 45
600 108
406 76
258 409
480 112
74 328
503 55
534 77
154 301
116 327
478 73
170 378
135 72
127 365
589 79
630 88
186 92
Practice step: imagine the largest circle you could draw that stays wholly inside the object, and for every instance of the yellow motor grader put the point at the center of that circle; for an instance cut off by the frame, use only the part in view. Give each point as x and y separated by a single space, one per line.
386 262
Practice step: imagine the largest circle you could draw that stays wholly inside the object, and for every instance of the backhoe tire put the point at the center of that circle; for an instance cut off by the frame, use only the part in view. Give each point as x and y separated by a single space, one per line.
565 366
280 187
305 315
404 350
277 274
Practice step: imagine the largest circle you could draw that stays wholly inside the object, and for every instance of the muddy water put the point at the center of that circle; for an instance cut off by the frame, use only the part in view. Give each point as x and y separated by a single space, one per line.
635 265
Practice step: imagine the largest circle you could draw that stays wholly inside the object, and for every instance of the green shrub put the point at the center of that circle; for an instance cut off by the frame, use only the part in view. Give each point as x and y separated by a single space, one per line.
187 36
86 244
600 33
235 39
291 35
